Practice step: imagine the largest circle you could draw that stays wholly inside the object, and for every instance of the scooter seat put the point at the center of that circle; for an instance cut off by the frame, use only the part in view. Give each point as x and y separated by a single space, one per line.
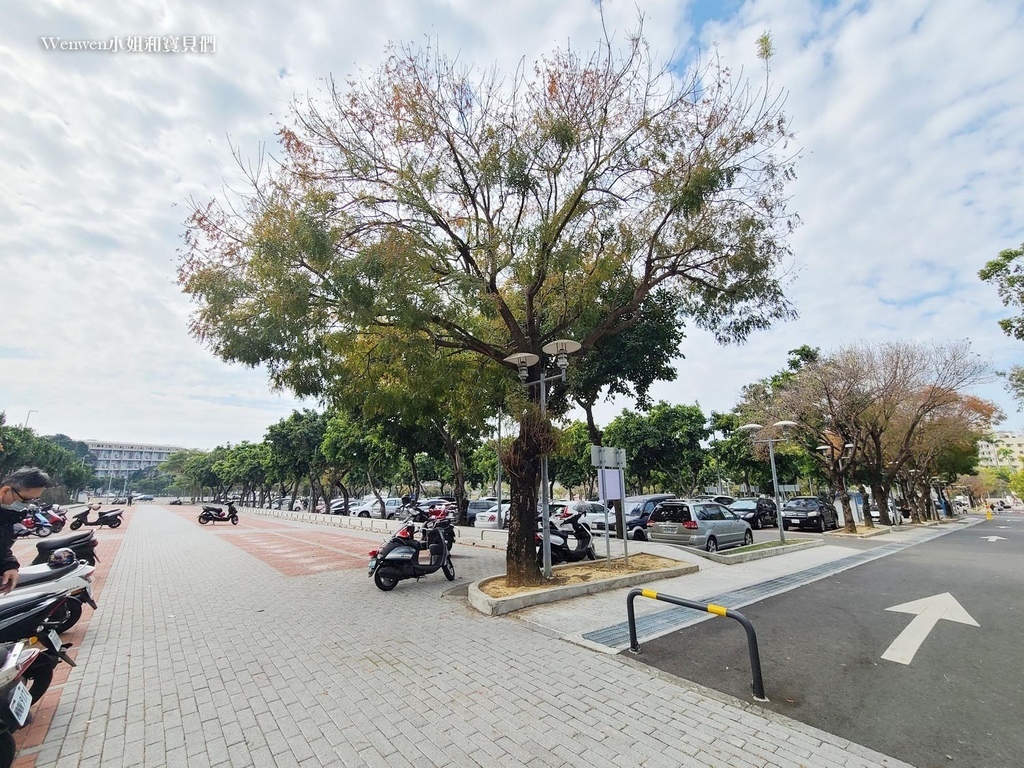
72 541
40 574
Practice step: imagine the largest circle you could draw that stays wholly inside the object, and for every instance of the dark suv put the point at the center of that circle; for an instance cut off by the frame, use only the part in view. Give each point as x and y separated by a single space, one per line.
809 512
760 513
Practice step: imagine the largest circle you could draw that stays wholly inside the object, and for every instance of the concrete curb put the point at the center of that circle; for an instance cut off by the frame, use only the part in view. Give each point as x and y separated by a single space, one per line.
759 554
498 606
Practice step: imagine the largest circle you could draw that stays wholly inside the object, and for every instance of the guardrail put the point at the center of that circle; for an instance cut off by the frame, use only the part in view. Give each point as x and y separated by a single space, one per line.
757 683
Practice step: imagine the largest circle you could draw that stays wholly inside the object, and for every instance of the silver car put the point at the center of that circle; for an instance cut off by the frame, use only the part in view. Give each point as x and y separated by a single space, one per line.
703 524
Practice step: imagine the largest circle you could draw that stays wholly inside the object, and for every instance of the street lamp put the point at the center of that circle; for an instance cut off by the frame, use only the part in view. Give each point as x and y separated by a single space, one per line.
559 349
27 415
771 441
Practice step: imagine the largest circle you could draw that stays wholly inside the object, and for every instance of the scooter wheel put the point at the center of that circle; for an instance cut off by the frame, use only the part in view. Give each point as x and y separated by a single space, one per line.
42 531
234 519
384 583
75 525
72 613
8 749
449 571
591 555
115 523
38 678
203 519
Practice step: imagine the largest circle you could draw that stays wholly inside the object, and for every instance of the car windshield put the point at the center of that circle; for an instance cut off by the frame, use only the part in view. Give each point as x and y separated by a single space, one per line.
802 503
744 505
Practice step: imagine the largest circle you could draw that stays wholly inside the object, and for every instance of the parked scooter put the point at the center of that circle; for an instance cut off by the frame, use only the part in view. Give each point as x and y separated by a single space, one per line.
82 544
63 573
561 552
399 557
53 516
215 514
16 658
112 518
22 531
36 615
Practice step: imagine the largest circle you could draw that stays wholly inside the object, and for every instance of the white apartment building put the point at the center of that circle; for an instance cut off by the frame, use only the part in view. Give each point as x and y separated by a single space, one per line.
118 459
1005 450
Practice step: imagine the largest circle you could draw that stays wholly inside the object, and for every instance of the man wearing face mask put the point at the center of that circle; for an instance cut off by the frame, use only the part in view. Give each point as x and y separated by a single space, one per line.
17 491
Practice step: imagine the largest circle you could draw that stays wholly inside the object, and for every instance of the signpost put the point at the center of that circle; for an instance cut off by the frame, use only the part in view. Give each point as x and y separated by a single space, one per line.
611 483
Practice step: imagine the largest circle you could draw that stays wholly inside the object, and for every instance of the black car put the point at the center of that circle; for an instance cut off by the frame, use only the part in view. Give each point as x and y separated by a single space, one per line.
809 512
760 513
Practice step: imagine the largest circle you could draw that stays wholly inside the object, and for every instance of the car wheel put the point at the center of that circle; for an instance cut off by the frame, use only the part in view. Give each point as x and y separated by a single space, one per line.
364 514
821 525
785 525
711 545
748 538
639 535
757 523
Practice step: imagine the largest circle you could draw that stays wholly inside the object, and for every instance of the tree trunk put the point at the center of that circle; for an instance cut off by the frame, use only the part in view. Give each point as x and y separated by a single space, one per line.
881 494
866 507
596 434
416 489
451 447
522 465
848 521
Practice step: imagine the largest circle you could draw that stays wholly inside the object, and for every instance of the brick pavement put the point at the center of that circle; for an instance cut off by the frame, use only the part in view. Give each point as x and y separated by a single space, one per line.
208 651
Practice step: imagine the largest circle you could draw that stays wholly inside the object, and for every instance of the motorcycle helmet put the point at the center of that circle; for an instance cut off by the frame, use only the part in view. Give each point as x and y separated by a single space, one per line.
62 556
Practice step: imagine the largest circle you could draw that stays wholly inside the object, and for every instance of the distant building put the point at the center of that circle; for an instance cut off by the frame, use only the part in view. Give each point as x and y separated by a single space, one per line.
120 459
1005 450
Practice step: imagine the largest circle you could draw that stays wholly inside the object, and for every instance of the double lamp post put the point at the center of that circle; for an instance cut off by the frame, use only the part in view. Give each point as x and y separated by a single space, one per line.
559 349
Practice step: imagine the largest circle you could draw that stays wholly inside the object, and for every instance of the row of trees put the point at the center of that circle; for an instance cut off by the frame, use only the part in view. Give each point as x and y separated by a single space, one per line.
59 456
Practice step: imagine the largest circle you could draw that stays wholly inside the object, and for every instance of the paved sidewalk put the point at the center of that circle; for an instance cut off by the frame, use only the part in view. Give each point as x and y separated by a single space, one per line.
203 655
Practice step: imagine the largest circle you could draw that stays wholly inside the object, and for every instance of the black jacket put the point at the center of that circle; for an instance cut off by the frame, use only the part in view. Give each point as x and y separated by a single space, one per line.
8 517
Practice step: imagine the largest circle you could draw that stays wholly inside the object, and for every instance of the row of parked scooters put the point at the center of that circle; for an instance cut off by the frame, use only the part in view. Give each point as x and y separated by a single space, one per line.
433 531
47 601
42 520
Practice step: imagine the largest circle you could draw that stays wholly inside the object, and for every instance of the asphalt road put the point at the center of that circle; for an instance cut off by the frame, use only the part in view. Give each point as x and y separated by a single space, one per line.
958 702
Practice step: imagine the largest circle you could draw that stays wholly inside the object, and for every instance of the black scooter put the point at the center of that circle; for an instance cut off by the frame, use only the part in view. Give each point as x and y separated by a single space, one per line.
399 557
112 518
83 544
214 514
37 615
561 552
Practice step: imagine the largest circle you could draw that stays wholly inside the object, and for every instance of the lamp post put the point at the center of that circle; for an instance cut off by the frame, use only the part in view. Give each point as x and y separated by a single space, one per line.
27 415
771 441
559 349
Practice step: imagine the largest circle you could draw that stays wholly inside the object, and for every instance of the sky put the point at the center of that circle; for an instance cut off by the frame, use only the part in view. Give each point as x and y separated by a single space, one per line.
909 118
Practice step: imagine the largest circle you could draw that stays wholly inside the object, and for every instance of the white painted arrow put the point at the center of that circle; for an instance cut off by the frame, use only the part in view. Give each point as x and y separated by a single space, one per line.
928 611
989 539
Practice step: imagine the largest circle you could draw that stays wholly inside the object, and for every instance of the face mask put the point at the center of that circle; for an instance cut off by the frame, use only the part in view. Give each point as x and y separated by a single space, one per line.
18 506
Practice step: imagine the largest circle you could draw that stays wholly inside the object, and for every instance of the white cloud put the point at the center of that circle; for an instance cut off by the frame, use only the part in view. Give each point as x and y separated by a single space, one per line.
909 116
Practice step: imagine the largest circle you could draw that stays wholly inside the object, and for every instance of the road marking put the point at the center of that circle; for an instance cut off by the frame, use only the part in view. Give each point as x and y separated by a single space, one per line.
928 611
993 538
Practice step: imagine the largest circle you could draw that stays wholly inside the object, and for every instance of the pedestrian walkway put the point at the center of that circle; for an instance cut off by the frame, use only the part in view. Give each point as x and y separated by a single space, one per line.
203 654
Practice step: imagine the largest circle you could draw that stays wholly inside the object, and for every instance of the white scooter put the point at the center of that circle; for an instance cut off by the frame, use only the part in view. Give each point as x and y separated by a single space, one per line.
63 573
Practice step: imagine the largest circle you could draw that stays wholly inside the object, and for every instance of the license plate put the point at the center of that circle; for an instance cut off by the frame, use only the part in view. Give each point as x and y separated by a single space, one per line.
54 639
20 702
372 565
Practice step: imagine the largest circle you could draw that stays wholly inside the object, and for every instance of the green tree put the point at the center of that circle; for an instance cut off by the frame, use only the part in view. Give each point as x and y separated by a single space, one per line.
295 452
570 463
483 215
1006 272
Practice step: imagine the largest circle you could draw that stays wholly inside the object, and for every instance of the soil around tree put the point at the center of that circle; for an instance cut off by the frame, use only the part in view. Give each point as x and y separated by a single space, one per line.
582 573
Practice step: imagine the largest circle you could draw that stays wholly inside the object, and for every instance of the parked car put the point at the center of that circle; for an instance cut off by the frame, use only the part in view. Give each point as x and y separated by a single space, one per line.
144 497
478 505
759 513
637 512
365 507
809 512
894 515
703 524
489 517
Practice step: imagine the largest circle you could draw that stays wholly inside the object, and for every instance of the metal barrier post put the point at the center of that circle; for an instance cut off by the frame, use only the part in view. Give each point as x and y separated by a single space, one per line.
757 683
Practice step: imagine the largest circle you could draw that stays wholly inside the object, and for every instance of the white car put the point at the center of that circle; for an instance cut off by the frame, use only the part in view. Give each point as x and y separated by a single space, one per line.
489 517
